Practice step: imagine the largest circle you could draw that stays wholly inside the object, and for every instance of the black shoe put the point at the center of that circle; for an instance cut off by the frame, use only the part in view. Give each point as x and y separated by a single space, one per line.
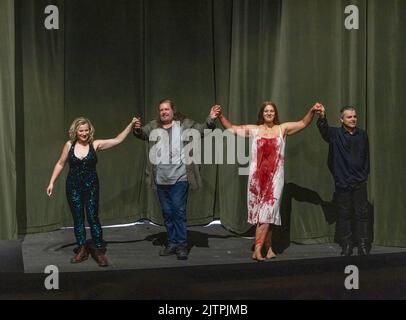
362 251
346 249
182 253
363 248
168 251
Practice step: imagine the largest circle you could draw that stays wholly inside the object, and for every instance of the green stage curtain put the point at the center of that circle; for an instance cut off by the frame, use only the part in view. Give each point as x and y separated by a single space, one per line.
41 109
8 179
386 114
112 60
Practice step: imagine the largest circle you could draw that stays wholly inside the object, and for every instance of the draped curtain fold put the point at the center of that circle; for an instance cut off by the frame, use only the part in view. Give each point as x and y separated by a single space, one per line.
8 178
115 59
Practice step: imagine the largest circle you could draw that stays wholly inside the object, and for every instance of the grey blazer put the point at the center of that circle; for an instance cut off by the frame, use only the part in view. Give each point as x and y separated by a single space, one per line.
192 170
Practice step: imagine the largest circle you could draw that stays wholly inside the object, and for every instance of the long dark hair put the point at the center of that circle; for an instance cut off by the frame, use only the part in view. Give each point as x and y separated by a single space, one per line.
177 116
261 113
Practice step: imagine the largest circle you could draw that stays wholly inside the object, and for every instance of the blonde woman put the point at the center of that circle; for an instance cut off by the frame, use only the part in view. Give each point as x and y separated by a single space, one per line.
82 184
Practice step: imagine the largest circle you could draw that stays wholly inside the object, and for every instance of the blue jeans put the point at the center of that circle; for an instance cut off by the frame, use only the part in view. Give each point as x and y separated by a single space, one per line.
173 199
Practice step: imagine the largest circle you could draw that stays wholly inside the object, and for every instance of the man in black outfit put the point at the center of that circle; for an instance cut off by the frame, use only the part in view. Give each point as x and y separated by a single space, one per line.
348 161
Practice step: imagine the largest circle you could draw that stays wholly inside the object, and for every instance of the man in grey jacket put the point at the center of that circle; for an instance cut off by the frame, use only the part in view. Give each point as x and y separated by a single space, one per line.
170 174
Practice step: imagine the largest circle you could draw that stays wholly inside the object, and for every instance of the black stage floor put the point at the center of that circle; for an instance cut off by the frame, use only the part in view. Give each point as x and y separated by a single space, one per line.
219 267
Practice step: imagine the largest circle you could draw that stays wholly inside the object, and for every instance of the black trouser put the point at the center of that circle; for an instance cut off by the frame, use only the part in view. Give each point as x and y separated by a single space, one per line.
353 216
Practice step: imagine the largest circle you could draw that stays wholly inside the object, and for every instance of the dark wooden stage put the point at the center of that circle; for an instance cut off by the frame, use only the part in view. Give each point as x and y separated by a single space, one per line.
219 268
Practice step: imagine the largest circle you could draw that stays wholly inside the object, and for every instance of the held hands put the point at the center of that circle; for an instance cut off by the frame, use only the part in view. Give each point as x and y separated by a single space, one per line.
136 123
215 112
318 108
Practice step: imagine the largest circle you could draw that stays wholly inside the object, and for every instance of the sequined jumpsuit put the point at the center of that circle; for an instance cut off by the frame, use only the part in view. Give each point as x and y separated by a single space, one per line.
82 191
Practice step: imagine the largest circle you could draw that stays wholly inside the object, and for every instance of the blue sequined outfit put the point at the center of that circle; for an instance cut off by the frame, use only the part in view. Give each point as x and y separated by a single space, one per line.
82 191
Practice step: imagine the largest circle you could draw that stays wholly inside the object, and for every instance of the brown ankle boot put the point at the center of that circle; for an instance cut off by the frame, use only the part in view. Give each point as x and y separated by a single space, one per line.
81 255
100 258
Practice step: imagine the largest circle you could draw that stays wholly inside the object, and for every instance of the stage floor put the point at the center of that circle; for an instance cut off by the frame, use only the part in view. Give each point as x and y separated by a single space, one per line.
138 246
219 267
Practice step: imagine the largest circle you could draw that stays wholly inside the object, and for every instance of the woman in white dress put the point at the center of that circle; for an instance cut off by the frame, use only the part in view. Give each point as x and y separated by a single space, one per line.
266 172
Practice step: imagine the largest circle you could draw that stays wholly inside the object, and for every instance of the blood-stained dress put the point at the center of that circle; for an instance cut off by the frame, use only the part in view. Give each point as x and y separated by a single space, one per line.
266 179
